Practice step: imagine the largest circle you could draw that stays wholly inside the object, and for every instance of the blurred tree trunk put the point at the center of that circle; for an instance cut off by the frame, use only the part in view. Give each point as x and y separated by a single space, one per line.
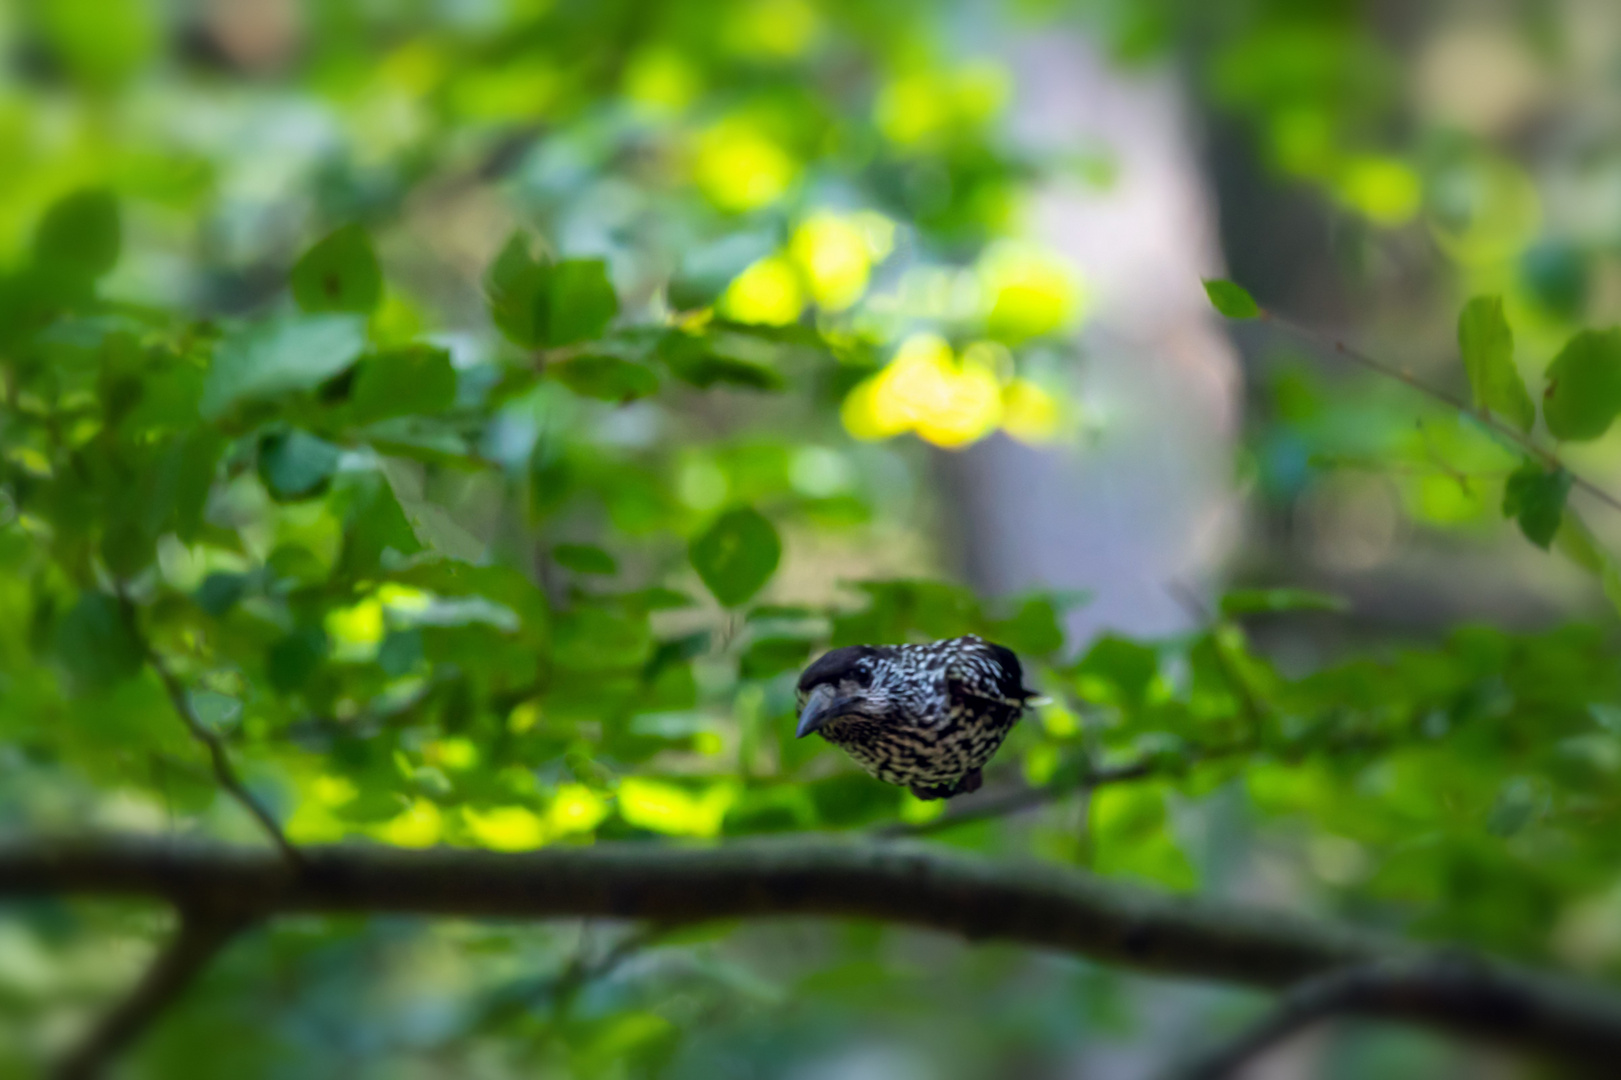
1146 500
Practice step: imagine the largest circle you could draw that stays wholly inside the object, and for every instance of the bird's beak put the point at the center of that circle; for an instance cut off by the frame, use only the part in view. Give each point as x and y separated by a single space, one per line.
823 705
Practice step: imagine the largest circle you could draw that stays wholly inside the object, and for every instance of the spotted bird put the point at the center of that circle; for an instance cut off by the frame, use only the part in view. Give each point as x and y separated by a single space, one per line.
927 717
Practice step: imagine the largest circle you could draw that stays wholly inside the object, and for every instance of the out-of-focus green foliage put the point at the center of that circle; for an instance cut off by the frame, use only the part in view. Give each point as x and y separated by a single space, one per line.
485 410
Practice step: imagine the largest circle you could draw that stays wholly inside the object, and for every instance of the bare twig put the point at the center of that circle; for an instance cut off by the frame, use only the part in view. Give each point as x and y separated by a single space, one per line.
1507 432
198 939
1386 988
1023 799
224 772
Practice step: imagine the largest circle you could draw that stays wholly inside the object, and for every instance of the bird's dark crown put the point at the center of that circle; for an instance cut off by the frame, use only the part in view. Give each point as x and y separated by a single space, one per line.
852 663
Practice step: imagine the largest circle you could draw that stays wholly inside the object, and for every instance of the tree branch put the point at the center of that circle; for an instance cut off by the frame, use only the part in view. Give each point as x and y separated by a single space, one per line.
198 939
1033 904
1450 984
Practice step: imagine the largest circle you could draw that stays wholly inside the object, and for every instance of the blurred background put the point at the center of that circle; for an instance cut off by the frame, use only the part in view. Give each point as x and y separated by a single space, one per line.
1002 213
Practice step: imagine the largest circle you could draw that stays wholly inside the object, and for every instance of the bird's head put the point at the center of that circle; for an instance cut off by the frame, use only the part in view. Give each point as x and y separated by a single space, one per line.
841 684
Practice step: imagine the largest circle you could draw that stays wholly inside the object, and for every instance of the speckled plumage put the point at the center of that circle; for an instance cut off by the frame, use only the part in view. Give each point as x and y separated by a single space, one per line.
925 717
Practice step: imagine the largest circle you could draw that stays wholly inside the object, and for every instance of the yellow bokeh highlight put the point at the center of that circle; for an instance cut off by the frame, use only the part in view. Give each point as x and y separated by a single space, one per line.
1029 291
768 293
575 809
506 828
457 755
1029 413
661 80
926 390
836 254
774 28
355 631
739 168
421 825
1384 190
676 811
917 108
523 718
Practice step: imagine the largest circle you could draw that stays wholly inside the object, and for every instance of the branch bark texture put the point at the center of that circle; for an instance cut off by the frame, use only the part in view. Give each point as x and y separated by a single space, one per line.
1030 904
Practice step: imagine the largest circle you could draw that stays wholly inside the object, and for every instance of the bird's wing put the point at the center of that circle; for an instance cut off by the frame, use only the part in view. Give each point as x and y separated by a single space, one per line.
987 672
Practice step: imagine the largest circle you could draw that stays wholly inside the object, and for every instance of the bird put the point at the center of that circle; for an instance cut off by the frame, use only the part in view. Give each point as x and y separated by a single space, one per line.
925 717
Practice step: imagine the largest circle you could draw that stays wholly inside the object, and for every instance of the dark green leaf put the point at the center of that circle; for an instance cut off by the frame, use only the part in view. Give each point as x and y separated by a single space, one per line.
1583 394
219 592
607 378
584 559
340 273
1535 497
95 643
80 234
580 301
515 287
1231 299
1487 345
415 380
770 656
279 357
400 652
737 555
694 361
1034 628
1265 601
292 660
296 464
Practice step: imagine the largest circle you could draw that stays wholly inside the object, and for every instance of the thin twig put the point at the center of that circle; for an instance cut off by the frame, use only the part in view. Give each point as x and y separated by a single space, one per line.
1482 416
224 772
199 938
1023 799
1381 988
563 987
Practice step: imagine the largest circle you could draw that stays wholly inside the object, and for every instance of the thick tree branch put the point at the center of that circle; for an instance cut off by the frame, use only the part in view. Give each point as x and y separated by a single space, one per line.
198 939
1028 903
1396 989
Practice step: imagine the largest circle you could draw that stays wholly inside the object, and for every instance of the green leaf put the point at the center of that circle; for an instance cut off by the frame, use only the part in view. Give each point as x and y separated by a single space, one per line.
770 656
537 303
607 378
95 644
220 591
296 464
340 273
584 559
694 361
412 381
1034 629
292 660
1231 299
736 556
580 303
280 357
1266 601
1536 498
431 523
80 234
514 287
1584 386
1487 345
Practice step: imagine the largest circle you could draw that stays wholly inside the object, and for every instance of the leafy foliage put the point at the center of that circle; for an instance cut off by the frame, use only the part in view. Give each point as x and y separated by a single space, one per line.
519 544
